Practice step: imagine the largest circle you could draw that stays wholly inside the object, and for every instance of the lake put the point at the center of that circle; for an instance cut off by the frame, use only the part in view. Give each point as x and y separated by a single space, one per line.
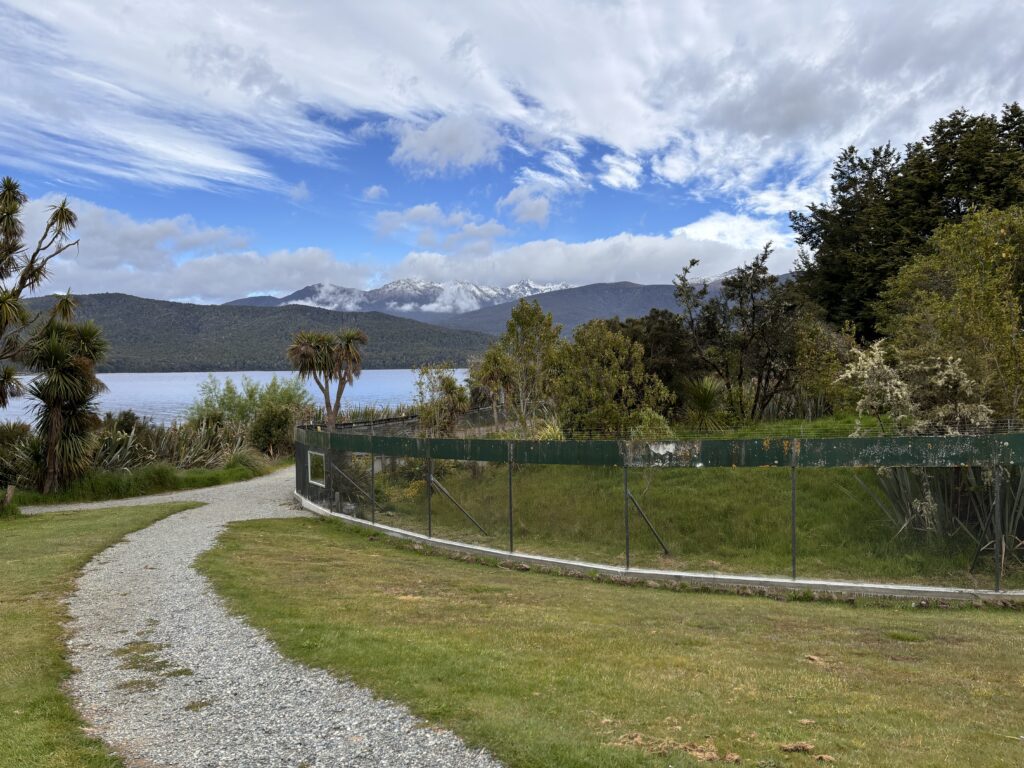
165 397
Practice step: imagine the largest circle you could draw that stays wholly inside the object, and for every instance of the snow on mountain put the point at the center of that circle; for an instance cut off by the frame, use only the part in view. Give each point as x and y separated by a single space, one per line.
328 296
412 295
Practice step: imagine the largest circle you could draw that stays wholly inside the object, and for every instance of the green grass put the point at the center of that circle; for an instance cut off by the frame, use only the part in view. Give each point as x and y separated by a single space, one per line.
39 557
838 425
732 520
554 671
143 481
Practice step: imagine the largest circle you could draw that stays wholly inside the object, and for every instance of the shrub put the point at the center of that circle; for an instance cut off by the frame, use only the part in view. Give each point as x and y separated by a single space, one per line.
440 400
220 402
272 431
12 436
546 430
248 459
650 425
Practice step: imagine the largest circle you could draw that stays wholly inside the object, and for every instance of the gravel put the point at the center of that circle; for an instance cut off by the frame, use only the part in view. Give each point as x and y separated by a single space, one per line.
168 678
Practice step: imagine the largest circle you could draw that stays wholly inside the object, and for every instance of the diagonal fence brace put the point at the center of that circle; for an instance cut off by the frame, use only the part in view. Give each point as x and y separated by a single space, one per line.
354 484
650 525
444 491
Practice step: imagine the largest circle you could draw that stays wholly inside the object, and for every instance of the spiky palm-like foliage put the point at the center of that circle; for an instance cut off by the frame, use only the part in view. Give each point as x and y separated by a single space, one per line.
488 377
704 401
64 354
332 360
23 268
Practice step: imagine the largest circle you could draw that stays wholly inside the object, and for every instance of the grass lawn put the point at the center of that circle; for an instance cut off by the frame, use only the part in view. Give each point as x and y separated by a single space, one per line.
143 481
39 557
553 671
723 519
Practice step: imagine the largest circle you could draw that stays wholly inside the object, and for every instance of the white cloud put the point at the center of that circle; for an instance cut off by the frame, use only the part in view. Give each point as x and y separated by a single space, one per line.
375 192
620 172
703 93
299 192
417 217
740 231
624 257
176 258
795 194
530 199
453 142
527 206
429 226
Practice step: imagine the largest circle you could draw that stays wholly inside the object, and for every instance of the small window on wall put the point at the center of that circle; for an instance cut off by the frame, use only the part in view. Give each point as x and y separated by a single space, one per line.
317 469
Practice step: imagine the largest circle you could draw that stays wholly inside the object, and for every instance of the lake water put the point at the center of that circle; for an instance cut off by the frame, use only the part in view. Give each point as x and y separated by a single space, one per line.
165 397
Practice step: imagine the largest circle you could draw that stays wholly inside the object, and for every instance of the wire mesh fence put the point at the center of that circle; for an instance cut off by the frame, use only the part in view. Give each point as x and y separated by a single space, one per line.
808 507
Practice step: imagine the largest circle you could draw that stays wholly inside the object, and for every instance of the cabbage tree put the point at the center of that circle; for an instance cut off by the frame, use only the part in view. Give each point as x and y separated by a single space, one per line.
23 268
332 360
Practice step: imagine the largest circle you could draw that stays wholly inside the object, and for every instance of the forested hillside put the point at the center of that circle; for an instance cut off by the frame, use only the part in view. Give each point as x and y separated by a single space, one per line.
148 335
574 306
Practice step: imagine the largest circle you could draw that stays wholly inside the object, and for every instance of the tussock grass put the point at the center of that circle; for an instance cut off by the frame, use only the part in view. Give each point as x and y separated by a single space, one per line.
552 671
149 479
39 557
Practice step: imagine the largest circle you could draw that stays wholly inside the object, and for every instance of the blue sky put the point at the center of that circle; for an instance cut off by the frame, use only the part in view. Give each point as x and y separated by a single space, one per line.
219 149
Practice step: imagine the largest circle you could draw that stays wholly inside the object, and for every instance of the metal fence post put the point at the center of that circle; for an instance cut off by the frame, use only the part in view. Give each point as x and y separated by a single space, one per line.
430 492
625 504
511 531
373 486
792 512
997 523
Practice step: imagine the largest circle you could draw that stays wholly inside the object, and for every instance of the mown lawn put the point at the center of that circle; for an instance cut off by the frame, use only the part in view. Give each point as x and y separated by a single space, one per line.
723 519
553 671
39 557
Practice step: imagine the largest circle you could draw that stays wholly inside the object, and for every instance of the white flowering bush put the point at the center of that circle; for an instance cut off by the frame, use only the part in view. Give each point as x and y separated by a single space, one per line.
883 395
930 396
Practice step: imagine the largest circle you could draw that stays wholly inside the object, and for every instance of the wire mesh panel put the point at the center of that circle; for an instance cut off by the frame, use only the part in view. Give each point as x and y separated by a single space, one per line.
401 492
715 519
571 512
469 501
930 525
821 508
352 477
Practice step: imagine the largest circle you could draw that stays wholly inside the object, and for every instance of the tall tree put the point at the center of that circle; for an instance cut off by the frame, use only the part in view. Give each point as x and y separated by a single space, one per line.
669 353
525 357
332 360
23 269
440 400
489 378
746 334
602 386
883 206
962 298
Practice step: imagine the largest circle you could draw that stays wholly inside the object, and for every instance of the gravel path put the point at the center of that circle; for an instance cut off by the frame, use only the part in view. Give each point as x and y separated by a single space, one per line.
168 678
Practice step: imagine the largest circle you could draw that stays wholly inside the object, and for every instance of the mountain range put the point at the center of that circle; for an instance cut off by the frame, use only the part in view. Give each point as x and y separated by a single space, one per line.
471 306
151 335
405 297
406 332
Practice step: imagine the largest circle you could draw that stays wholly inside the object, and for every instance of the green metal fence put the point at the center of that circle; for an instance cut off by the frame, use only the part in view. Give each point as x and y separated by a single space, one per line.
897 451
356 465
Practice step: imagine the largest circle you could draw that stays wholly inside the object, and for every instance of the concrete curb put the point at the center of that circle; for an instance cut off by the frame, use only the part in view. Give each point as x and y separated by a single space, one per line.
696 578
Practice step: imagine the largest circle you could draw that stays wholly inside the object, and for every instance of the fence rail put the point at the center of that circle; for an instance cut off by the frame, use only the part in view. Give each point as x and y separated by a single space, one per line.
895 451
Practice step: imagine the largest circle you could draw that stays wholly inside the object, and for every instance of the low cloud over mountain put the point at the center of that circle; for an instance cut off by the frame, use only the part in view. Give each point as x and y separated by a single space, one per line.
407 296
